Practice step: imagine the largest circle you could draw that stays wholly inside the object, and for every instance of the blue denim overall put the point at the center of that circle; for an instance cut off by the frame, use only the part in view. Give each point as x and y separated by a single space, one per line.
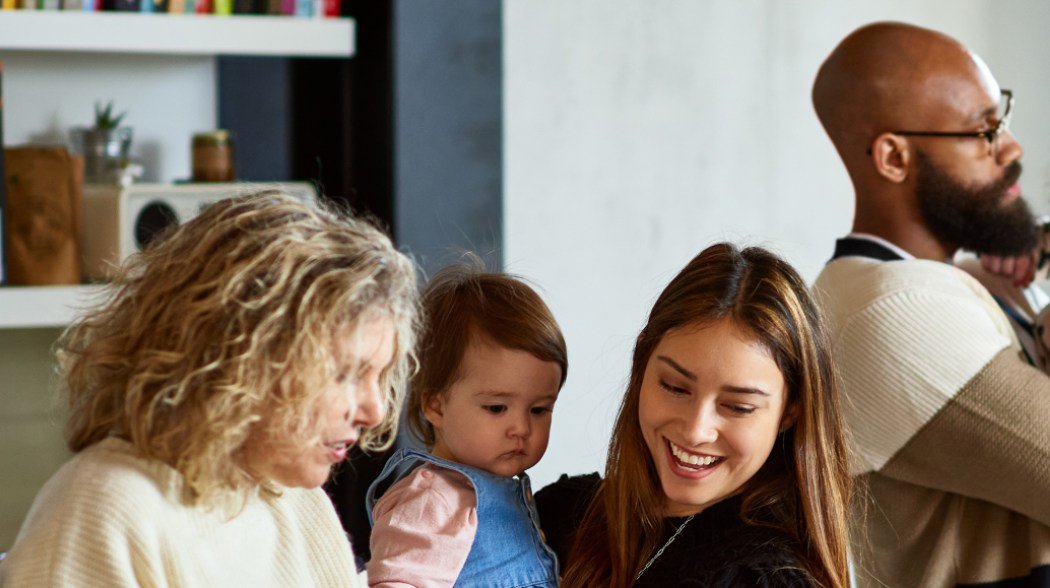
508 551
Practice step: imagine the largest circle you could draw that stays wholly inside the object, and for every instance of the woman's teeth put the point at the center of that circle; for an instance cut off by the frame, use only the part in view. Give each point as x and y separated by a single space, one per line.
693 459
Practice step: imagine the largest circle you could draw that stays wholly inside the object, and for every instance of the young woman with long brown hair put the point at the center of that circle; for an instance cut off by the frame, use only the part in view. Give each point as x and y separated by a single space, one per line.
727 464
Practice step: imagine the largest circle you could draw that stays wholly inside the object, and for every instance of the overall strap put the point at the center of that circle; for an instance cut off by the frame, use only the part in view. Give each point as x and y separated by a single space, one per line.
393 466
402 462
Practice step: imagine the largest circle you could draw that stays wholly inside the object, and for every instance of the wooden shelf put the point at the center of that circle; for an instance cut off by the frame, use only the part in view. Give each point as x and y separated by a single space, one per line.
179 34
24 307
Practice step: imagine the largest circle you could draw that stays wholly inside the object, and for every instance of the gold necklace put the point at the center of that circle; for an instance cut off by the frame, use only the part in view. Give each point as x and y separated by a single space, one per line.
660 551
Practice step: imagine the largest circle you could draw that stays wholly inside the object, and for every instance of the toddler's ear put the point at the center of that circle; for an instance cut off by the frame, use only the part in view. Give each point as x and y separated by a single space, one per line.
434 410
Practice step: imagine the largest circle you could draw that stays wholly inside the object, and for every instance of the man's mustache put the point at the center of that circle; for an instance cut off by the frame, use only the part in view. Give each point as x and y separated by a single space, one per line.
1010 176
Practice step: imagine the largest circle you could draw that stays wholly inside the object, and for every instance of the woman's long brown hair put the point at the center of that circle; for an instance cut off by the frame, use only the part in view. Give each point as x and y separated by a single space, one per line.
802 491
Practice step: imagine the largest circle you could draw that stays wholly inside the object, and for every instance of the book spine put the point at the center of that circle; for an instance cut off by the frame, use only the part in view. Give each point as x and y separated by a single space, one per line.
8 5
122 5
304 8
223 7
177 6
333 8
73 5
203 7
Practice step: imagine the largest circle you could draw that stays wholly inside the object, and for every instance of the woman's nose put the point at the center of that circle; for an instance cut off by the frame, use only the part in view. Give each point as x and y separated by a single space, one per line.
369 408
700 426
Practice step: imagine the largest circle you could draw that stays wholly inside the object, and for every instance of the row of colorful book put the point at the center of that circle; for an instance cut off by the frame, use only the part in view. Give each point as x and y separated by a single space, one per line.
301 8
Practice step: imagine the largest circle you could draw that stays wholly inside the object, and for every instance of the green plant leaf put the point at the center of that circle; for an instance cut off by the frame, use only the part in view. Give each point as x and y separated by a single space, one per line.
104 118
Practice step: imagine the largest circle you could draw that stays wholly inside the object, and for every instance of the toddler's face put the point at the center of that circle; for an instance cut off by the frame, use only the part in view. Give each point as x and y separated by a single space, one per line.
497 416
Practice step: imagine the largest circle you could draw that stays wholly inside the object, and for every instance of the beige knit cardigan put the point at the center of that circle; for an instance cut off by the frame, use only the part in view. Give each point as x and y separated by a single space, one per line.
950 426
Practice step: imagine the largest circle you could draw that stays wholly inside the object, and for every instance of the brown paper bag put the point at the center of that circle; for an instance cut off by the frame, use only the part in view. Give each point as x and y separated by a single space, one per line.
44 190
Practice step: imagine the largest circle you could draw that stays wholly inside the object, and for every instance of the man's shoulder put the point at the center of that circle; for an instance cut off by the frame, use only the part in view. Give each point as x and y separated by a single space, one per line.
865 280
908 336
923 291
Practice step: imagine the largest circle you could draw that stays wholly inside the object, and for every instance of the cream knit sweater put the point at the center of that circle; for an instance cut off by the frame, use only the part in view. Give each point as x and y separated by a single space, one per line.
951 427
110 518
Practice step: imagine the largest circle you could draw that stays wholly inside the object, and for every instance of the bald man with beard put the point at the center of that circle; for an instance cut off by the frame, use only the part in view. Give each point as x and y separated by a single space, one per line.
951 425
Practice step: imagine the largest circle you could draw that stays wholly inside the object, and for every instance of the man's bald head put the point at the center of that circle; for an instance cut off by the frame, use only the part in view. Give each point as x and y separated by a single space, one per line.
880 95
892 76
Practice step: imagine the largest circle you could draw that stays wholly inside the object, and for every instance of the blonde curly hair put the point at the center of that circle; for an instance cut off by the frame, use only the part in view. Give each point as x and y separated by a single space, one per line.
229 319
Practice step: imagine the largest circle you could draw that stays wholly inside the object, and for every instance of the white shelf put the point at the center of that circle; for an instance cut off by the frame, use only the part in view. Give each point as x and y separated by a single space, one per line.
43 306
181 34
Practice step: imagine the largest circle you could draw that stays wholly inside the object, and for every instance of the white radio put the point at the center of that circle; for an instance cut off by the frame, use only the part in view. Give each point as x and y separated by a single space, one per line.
117 222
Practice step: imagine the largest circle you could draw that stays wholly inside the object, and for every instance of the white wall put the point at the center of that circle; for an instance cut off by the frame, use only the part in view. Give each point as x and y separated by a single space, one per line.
636 133
167 98
1018 54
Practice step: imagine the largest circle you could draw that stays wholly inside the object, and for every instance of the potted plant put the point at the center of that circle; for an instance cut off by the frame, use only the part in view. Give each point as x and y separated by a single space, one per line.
105 145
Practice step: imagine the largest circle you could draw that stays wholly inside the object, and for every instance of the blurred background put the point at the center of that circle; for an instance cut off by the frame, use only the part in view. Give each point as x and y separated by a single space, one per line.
590 146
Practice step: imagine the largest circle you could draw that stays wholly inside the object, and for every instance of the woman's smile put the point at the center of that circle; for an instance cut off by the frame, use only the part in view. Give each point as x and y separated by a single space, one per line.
691 465
710 409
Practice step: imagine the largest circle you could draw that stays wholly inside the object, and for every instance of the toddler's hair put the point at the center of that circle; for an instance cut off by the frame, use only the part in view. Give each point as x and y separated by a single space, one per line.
464 304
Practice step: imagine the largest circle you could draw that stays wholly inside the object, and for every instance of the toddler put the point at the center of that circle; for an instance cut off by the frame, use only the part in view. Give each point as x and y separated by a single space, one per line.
492 361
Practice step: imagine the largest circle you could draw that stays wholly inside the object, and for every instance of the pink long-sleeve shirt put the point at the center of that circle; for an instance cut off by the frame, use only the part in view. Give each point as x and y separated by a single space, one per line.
424 527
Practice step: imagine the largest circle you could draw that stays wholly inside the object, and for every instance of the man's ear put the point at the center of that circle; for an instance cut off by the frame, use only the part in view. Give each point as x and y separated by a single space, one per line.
891 155
434 409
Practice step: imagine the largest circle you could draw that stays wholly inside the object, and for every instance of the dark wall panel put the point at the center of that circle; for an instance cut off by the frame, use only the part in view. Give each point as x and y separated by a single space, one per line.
448 129
255 103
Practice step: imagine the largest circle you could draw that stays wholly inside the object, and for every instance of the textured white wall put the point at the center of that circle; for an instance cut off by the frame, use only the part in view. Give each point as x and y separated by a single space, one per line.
637 133
1019 56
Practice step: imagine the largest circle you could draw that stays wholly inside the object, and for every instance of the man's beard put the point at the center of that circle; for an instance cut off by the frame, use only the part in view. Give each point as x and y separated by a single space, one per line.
974 218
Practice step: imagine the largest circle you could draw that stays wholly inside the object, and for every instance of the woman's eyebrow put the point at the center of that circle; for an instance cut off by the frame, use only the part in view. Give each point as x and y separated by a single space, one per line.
678 368
744 390
692 378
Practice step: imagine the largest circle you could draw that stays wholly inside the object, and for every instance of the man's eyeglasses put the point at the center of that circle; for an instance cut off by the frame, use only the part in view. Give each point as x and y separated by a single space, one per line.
991 135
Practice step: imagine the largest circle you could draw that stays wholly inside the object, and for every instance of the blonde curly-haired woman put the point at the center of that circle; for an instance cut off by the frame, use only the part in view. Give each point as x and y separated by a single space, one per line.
229 368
